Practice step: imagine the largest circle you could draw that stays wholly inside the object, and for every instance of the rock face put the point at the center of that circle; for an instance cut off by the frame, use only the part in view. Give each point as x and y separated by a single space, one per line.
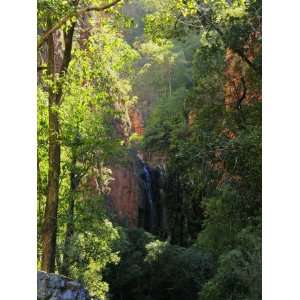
124 196
129 195
135 194
57 287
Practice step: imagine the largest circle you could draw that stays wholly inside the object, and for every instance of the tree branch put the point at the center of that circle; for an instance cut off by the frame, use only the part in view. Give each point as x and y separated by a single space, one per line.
77 13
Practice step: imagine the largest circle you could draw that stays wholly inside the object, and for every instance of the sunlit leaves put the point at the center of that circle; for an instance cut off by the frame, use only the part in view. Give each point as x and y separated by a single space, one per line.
96 91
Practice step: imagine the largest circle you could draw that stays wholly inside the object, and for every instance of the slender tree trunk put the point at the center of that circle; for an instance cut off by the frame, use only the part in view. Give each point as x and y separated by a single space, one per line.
50 218
74 182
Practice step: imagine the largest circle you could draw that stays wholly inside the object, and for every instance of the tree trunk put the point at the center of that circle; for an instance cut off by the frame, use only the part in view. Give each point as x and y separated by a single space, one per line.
50 218
74 182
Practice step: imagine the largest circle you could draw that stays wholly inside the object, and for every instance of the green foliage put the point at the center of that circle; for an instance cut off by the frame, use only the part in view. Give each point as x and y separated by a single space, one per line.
135 138
166 114
91 250
127 278
239 271
168 59
208 72
181 271
96 95
42 156
219 22
50 11
157 270
213 173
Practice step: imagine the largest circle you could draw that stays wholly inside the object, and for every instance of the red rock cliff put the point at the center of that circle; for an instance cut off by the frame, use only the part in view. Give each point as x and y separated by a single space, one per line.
124 195
124 199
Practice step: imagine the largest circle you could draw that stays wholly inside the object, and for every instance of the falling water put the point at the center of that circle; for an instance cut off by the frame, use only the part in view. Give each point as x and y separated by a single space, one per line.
149 196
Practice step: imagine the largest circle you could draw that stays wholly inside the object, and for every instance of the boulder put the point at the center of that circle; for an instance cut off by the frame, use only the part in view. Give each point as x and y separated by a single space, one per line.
58 287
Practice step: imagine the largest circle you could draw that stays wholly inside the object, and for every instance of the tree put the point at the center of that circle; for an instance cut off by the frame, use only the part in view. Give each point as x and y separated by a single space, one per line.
48 10
232 23
90 140
175 67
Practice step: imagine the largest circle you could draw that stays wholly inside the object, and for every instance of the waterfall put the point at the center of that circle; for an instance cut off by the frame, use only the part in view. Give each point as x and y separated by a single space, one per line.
149 192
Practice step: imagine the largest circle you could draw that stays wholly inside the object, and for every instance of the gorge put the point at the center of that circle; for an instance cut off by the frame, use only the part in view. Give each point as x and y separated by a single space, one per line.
149 150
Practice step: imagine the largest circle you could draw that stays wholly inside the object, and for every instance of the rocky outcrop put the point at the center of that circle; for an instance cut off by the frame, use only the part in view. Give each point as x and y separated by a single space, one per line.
57 287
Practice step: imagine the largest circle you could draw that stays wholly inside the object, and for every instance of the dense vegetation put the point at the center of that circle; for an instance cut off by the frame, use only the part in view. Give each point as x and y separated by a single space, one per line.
177 62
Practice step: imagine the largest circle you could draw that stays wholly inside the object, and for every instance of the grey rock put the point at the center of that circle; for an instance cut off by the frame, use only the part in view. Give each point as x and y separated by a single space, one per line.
73 284
57 287
69 295
56 282
55 295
